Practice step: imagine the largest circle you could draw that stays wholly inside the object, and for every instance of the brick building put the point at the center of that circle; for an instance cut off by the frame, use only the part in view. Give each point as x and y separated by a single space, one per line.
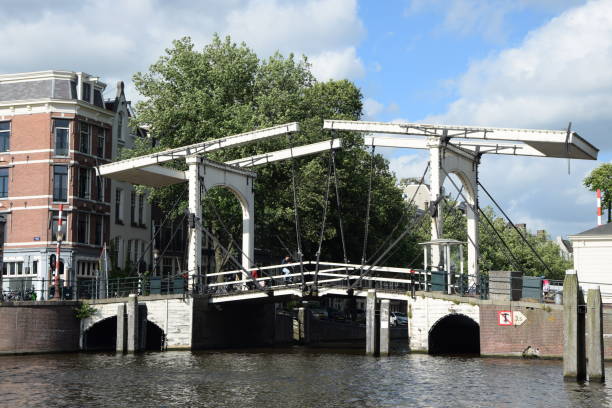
54 128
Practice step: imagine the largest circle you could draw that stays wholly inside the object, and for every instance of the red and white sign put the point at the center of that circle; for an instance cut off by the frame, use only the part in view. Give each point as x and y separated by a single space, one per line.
504 318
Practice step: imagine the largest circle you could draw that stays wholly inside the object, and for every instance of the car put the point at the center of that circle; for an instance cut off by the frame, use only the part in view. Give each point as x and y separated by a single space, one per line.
319 313
398 319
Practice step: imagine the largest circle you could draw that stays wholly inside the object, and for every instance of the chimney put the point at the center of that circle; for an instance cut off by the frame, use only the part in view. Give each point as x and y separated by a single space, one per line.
522 227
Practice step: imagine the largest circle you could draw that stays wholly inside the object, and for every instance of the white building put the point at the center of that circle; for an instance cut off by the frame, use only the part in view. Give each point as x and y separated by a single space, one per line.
593 259
130 224
419 192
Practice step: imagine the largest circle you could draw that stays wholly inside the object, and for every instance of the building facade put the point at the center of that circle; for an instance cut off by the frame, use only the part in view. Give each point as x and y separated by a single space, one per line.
54 129
130 224
593 259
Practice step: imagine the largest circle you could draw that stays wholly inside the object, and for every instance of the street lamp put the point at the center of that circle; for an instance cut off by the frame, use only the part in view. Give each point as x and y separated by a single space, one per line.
155 257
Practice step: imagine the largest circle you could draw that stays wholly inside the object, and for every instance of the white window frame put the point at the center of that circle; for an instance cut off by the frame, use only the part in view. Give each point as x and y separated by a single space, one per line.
10 129
67 183
101 135
55 153
81 133
87 193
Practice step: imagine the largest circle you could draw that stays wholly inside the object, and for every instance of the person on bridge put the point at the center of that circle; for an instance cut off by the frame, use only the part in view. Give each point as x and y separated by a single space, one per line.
286 270
254 275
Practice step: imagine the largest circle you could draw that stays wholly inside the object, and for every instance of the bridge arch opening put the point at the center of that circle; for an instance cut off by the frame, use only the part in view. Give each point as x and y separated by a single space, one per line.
236 215
454 334
101 336
155 337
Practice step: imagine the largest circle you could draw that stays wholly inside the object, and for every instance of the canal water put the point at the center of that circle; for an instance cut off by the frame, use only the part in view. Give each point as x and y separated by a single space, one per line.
291 377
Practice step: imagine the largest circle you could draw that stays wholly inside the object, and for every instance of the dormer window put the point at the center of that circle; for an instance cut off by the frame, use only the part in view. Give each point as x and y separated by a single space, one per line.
86 92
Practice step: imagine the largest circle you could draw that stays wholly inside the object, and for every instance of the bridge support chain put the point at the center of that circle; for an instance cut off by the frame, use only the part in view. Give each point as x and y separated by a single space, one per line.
574 355
372 325
121 345
132 324
385 333
595 345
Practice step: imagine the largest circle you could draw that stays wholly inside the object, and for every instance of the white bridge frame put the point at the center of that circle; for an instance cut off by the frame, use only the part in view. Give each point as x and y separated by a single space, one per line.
452 150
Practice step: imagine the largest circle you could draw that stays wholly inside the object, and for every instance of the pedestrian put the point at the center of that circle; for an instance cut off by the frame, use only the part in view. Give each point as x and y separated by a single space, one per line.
254 275
286 271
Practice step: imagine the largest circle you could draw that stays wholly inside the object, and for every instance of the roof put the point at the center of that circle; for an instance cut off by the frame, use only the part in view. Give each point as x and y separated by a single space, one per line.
601 230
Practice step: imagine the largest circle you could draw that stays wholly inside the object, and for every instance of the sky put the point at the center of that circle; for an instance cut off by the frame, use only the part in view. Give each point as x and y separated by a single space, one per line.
521 63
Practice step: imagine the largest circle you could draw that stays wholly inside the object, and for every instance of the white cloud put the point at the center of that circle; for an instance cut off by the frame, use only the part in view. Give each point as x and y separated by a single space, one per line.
371 108
409 165
560 73
299 25
116 40
484 18
337 65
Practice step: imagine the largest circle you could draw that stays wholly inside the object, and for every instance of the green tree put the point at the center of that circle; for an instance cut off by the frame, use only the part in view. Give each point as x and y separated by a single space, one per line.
601 178
192 96
493 253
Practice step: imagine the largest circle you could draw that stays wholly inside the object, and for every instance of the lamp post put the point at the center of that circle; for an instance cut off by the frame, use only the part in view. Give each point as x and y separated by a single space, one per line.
155 257
60 236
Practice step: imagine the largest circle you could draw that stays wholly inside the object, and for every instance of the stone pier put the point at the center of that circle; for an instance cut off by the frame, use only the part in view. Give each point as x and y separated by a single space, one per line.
121 329
132 324
372 346
574 356
595 346
385 333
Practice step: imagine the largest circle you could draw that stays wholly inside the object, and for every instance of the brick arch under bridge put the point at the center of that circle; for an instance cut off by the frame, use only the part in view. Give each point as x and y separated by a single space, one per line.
427 313
173 316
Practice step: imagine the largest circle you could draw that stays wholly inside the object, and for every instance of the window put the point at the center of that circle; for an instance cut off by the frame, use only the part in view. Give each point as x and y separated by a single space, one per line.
98 231
12 268
101 142
84 137
4 180
61 129
60 183
83 228
133 207
118 206
100 188
84 182
141 199
5 135
86 92
54 221
98 98
128 253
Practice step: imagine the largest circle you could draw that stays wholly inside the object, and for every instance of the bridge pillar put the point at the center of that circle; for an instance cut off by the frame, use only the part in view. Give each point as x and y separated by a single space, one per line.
574 356
303 329
595 349
372 345
121 344
132 324
385 334
194 250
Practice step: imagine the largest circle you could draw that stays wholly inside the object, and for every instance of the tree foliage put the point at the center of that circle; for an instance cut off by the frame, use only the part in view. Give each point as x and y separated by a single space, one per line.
192 96
601 178
495 256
